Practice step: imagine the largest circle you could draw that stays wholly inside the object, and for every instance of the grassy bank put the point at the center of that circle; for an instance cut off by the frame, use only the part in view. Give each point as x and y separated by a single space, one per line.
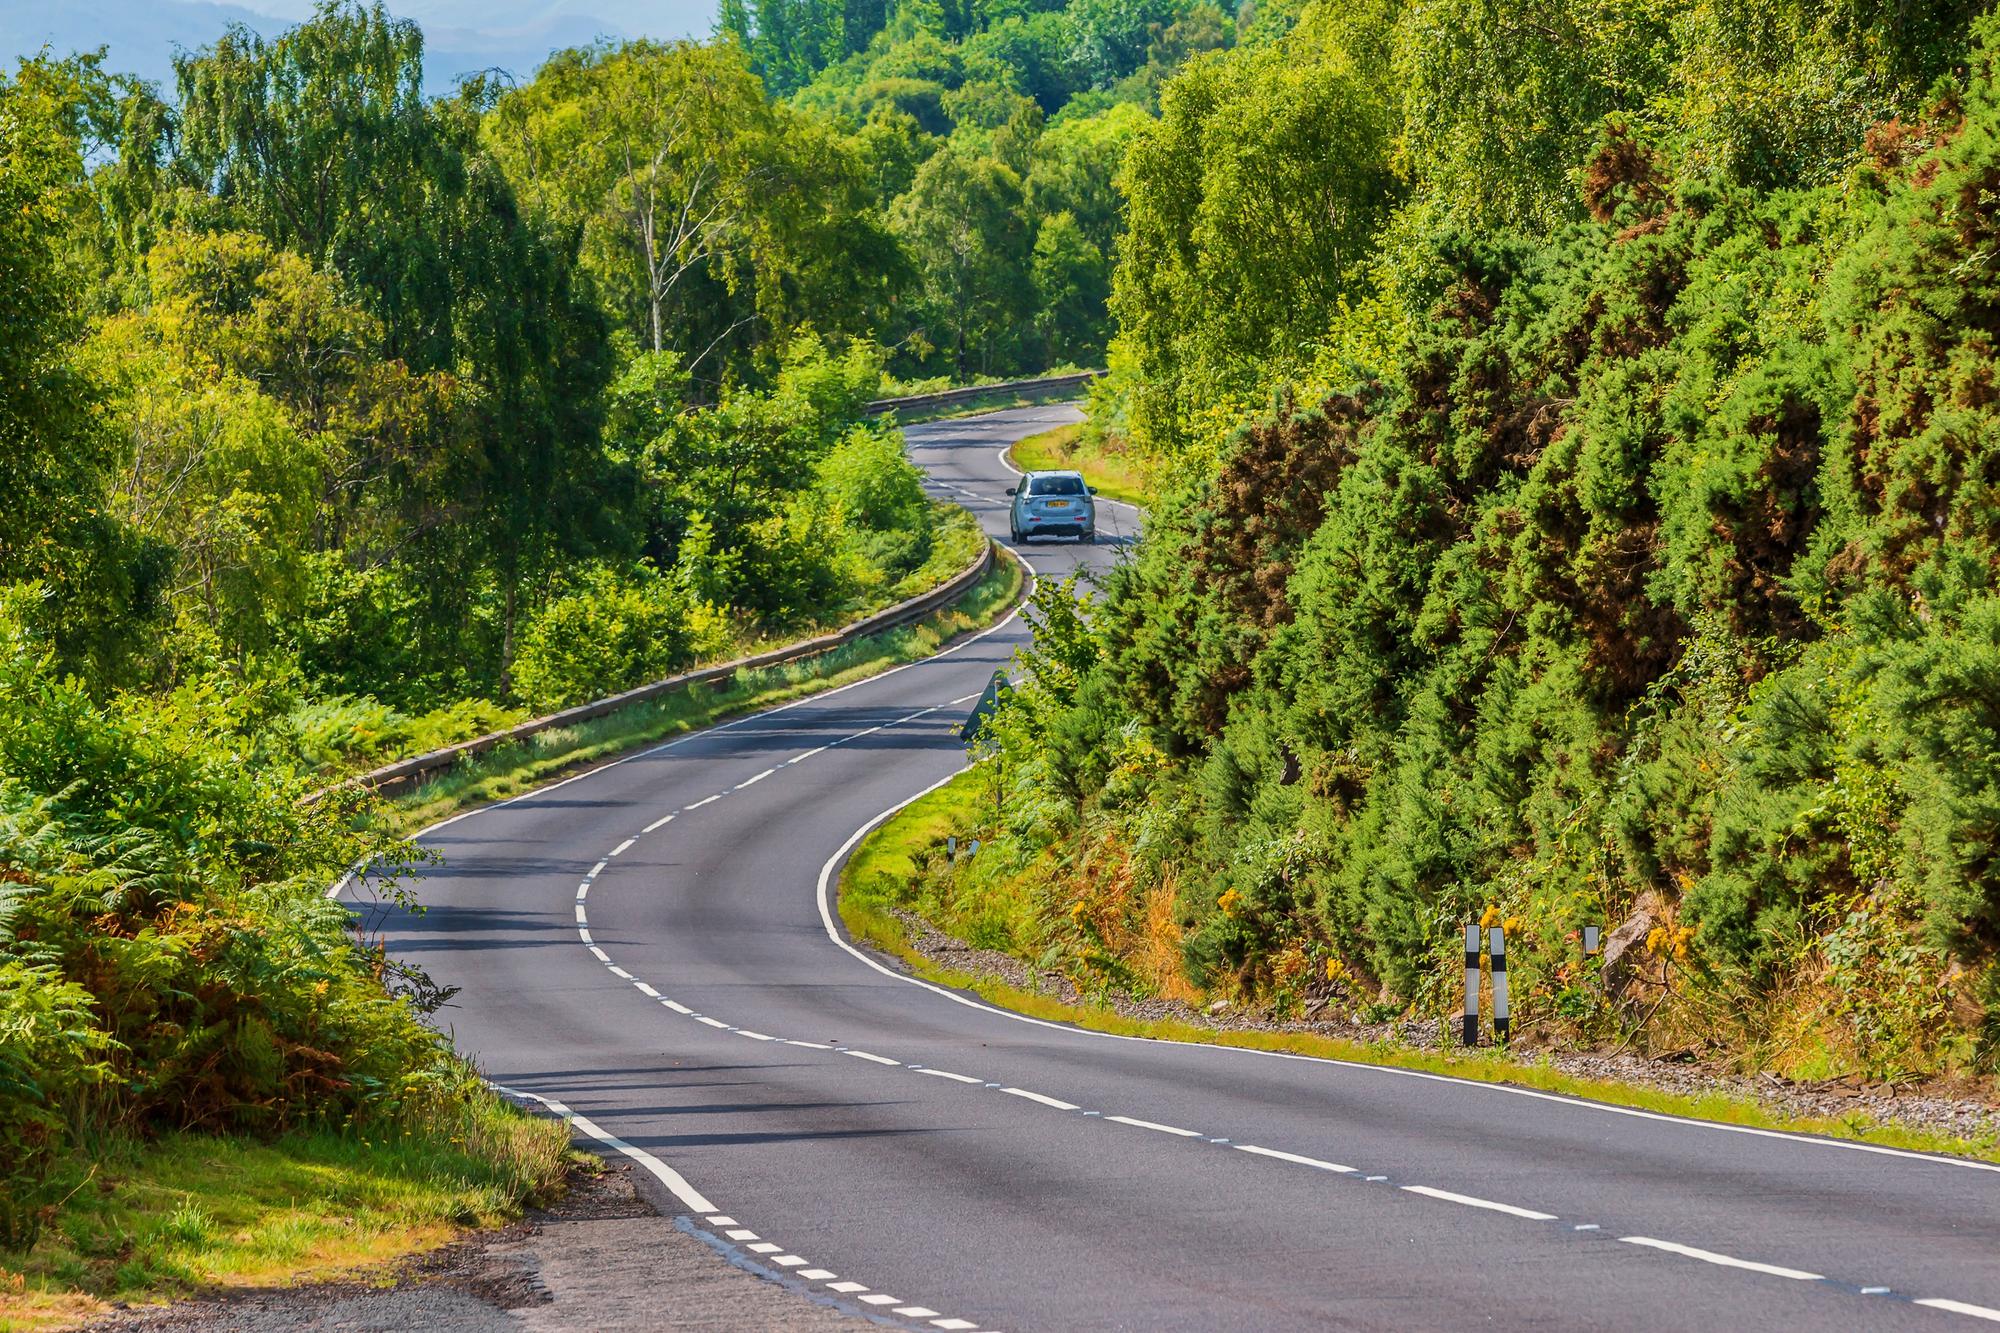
992 901
1114 474
513 769
146 1221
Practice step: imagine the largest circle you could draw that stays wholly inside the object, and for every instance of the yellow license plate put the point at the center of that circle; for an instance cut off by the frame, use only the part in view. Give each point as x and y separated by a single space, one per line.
1058 504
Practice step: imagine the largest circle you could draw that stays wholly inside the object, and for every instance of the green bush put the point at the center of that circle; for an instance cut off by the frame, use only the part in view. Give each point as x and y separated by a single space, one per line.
613 632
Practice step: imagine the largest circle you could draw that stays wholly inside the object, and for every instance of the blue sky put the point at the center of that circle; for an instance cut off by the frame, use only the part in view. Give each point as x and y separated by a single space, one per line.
460 35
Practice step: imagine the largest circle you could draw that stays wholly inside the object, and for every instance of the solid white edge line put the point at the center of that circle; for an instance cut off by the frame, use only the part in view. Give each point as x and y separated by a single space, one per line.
1960 1307
690 1197
825 894
1471 1201
1038 1097
1293 1158
1150 1124
1725 1260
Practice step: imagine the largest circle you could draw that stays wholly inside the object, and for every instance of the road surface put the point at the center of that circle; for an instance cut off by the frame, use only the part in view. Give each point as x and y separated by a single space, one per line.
648 945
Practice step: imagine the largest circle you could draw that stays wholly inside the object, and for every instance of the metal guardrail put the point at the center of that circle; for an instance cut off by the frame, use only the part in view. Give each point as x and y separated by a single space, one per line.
404 771
973 392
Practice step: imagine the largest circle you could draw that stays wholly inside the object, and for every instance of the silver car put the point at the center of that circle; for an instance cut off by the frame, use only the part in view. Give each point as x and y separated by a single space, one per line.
1049 504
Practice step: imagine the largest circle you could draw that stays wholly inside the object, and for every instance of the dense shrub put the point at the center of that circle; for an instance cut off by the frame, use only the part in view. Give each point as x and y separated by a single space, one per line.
1657 568
613 632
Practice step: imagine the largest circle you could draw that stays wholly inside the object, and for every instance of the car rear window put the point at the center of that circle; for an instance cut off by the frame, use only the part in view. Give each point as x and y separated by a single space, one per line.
1055 486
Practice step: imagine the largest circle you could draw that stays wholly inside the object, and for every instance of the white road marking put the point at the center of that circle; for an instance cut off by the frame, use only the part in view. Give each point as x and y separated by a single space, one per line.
754 1036
582 917
644 989
620 972
623 847
764 1247
602 956
788 1260
722 1221
915 1312
816 1274
597 869
666 1175
809 1045
744 1235
879 1299
963 699
1218 1051
712 1022
1472 1202
1294 1158
584 935
1149 1124
707 800
583 891
954 1324
752 781
1727 1261
676 1006
878 1059
659 823
1960 1307
1038 1097
807 755
846 1288
945 1073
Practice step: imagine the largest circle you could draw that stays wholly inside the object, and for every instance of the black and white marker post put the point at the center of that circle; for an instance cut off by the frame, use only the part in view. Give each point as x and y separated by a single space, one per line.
1471 1032
1497 940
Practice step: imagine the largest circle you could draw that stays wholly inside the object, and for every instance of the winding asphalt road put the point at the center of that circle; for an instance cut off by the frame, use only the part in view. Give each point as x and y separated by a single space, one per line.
649 945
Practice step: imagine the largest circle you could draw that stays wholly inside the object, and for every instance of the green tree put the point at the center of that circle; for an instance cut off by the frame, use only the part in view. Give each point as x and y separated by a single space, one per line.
963 222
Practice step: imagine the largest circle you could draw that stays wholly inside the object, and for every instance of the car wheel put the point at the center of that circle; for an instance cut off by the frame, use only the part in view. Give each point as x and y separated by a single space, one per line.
1090 538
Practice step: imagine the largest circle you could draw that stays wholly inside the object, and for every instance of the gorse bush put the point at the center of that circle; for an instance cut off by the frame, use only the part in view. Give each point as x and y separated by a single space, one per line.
1657 571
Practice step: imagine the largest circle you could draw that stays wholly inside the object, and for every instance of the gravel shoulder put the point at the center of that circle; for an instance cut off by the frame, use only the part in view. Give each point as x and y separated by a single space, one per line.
1960 1110
601 1259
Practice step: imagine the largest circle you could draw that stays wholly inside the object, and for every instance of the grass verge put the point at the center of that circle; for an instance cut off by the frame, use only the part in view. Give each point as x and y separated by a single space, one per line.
889 865
513 769
1117 475
152 1220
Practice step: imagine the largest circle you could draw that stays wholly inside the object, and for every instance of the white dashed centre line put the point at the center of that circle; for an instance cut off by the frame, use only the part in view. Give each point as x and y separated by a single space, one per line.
878 1059
707 800
956 1078
1294 1158
660 823
747 782
1960 1307
1038 1097
1471 1202
1149 1124
712 1022
807 755
623 847
1727 1261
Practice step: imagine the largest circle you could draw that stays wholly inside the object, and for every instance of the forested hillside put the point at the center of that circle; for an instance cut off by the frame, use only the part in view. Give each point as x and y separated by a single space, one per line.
1580 442
340 421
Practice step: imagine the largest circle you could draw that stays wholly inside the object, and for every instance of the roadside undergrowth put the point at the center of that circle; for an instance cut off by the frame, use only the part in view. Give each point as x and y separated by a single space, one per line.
1110 471
514 769
148 1220
992 900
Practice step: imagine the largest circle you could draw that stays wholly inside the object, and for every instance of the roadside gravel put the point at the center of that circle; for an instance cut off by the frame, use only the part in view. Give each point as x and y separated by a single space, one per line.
602 1259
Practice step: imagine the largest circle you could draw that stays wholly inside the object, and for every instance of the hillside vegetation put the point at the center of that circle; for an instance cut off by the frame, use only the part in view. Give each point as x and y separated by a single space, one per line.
1582 442
339 422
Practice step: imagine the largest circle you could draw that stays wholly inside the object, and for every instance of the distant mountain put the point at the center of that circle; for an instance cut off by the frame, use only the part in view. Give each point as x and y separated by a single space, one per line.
460 36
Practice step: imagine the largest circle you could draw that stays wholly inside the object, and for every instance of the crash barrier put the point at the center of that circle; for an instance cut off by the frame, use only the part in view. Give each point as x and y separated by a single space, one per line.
921 402
406 771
